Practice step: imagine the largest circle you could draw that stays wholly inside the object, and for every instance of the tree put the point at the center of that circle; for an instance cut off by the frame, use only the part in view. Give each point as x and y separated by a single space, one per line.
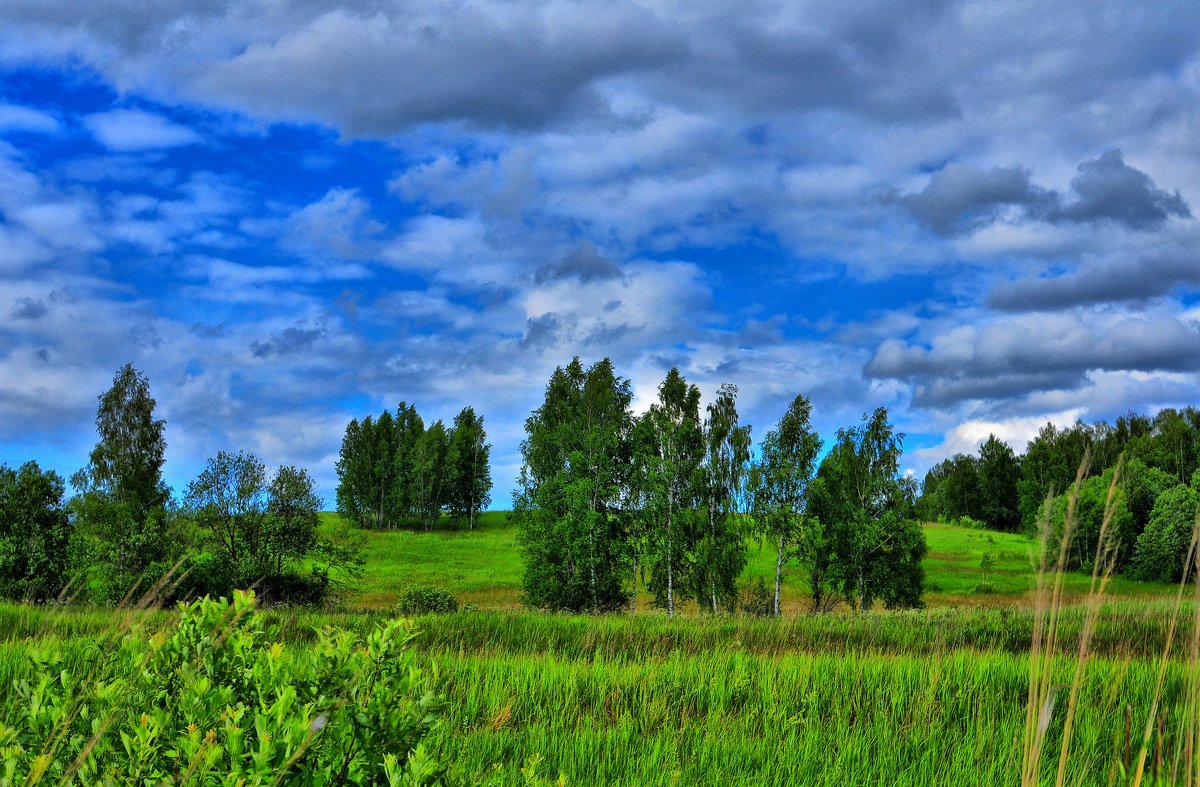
126 464
1049 466
409 427
430 485
676 447
781 484
865 508
567 504
230 498
121 508
999 473
35 533
263 529
354 471
290 530
720 552
470 476
1162 548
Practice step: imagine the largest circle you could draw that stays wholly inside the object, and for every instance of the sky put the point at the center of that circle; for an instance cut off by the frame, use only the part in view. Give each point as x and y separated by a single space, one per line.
287 213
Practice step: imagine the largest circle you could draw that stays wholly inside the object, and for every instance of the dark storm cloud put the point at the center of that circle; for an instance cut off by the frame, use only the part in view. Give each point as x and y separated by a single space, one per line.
1110 281
1035 354
584 263
287 342
544 331
29 309
1108 189
962 198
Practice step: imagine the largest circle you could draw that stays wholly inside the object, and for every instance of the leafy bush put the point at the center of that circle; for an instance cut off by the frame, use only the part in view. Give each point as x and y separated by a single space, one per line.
210 701
420 600
1162 547
757 601
966 521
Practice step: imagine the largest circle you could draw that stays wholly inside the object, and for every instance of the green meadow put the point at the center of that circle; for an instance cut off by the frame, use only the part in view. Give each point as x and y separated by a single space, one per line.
937 696
483 567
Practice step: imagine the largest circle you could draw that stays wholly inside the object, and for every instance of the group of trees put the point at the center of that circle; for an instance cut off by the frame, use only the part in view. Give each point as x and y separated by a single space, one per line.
393 469
237 526
1154 459
609 502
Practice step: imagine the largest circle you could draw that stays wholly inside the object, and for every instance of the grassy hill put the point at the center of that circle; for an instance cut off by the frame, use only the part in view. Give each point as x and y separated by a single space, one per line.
483 567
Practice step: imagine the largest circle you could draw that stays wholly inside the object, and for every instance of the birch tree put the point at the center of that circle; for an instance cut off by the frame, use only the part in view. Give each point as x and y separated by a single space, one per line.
720 551
780 497
675 447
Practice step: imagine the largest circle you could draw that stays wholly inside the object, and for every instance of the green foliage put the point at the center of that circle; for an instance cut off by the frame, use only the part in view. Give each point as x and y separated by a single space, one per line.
719 554
125 523
1162 547
420 600
865 507
757 601
262 530
780 482
35 533
126 464
999 474
211 701
1049 466
470 482
567 504
393 470
671 448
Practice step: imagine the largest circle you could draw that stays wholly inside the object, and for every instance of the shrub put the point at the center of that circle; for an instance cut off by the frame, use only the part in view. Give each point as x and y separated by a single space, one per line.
420 600
211 701
1162 547
757 600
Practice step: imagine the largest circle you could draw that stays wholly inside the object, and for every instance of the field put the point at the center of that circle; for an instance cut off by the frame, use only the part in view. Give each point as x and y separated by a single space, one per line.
931 697
483 567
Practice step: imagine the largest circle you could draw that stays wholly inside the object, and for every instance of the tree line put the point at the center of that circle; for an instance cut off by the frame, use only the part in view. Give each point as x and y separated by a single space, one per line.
238 525
1155 461
610 504
394 470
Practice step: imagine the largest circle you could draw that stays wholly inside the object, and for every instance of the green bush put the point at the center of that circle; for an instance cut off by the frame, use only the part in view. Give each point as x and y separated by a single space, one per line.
425 600
211 701
757 601
1162 547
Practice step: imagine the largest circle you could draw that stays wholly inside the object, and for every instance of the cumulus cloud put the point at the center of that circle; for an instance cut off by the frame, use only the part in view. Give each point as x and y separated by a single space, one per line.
290 341
1010 358
962 198
1118 279
584 263
128 130
18 118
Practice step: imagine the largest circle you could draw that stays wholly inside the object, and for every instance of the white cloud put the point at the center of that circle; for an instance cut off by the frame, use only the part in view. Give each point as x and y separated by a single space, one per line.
126 130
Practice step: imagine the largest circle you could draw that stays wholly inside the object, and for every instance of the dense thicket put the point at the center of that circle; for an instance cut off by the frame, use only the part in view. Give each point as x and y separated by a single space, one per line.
394 470
609 502
1158 456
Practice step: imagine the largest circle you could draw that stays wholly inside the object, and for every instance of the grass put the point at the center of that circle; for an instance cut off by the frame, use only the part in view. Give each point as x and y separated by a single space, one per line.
940 696
483 567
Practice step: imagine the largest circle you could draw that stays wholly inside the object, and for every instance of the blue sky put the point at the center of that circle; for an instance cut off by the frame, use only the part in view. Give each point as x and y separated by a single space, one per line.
288 214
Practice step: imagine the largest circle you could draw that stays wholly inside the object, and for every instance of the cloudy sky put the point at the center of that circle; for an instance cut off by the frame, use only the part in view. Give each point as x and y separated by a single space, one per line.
981 215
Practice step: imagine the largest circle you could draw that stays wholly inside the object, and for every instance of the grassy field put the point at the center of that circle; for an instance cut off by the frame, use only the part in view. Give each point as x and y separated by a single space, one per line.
920 698
926 697
483 567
